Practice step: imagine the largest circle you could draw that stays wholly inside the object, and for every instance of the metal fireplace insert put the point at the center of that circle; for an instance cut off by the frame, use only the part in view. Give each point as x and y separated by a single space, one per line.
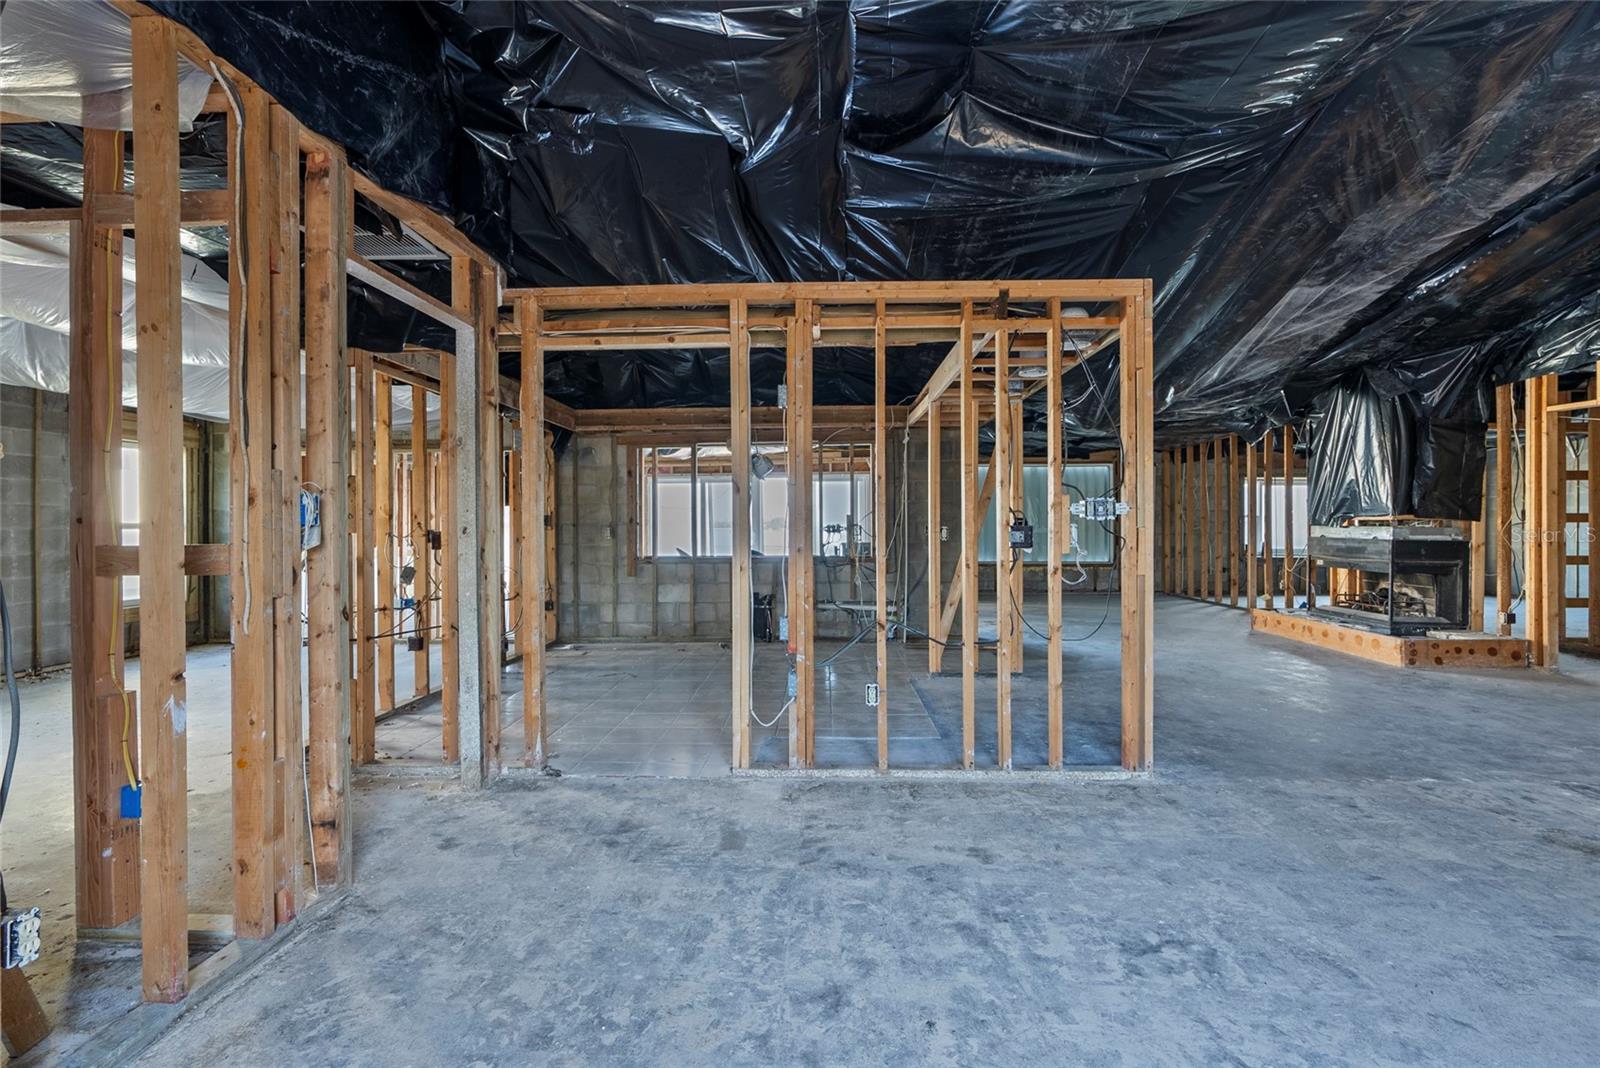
1401 580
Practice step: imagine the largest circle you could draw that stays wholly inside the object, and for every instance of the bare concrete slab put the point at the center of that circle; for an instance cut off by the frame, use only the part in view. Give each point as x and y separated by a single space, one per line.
1335 863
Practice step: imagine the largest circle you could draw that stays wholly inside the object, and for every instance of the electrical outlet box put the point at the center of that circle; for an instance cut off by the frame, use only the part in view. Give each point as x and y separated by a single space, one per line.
416 643
19 937
130 801
944 532
1021 536
872 695
1099 509
435 539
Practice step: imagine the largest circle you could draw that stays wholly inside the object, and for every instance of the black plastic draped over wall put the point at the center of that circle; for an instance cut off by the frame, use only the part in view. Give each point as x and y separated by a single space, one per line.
1406 190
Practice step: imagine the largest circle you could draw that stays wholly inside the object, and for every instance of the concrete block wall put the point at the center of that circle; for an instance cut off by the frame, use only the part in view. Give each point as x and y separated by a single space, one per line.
671 599
52 644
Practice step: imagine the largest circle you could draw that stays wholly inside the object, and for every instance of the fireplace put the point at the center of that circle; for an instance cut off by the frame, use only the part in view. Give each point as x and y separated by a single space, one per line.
1402 579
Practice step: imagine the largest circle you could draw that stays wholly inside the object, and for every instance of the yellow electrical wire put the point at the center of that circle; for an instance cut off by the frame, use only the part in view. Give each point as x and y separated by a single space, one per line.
114 409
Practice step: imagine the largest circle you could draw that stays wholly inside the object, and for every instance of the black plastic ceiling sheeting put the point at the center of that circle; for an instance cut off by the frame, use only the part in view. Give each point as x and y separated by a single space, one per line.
1314 187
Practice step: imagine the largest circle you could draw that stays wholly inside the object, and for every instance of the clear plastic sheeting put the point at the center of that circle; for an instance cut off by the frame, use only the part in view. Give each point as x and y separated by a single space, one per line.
36 323
73 63
1315 188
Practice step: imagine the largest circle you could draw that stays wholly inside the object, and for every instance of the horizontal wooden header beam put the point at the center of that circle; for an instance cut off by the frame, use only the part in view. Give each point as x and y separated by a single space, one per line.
715 420
1090 290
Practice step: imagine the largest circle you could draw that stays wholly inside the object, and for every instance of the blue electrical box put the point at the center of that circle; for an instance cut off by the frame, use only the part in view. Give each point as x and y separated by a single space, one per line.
132 801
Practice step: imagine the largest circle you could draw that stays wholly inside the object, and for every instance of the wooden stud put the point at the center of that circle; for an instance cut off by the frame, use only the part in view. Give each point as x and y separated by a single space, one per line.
1205 529
490 588
22 1019
383 533
1288 519
106 848
256 496
1477 559
536 486
1268 561
801 591
327 565
880 523
935 543
1005 559
1056 527
743 638
1235 492
290 848
1545 524
971 517
1252 573
422 615
364 706
1219 525
163 734
1592 431
1137 547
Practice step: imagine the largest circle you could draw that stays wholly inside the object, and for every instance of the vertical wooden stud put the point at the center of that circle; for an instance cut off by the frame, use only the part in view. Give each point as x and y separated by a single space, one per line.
935 544
364 707
1505 434
327 565
880 513
424 614
971 517
163 691
106 847
536 487
383 537
1138 551
743 643
1055 528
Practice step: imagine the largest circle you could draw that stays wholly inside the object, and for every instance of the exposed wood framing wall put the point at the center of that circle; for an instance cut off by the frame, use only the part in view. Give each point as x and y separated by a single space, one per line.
996 328
286 185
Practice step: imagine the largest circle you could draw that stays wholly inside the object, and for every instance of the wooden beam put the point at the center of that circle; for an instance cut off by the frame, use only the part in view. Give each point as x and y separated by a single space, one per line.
880 514
802 594
1056 527
1268 561
948 373
163 692
1505 432
1235 492
106 848
714 421
392 285
535 488
423 610
1082 290
971 517
281 235
935 545
1545 524
383 533
1219 524
328 564
743 645
1288 519
115 561
253 520
22 1019
489 590
1476 561
1137 549
1005 607
1252 574
364 706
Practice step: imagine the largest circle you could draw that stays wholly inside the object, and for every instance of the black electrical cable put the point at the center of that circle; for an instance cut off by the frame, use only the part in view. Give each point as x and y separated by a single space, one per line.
16 722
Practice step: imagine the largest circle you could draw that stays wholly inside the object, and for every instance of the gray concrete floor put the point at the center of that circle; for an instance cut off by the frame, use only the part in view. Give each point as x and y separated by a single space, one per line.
1336 863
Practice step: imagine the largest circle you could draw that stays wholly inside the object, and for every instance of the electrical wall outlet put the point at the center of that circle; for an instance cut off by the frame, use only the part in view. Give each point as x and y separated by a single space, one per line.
872 695
19 937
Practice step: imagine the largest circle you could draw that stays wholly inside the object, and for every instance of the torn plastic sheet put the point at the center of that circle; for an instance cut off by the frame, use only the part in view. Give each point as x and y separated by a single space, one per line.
1314 188
73 63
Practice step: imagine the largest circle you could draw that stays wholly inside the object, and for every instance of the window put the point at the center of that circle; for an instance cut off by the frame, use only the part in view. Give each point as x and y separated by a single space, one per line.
128 518
1096 541
1302 526
685 499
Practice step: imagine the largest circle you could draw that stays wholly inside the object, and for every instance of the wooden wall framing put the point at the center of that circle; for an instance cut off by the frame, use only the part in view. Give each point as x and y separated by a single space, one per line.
287 186
995 327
